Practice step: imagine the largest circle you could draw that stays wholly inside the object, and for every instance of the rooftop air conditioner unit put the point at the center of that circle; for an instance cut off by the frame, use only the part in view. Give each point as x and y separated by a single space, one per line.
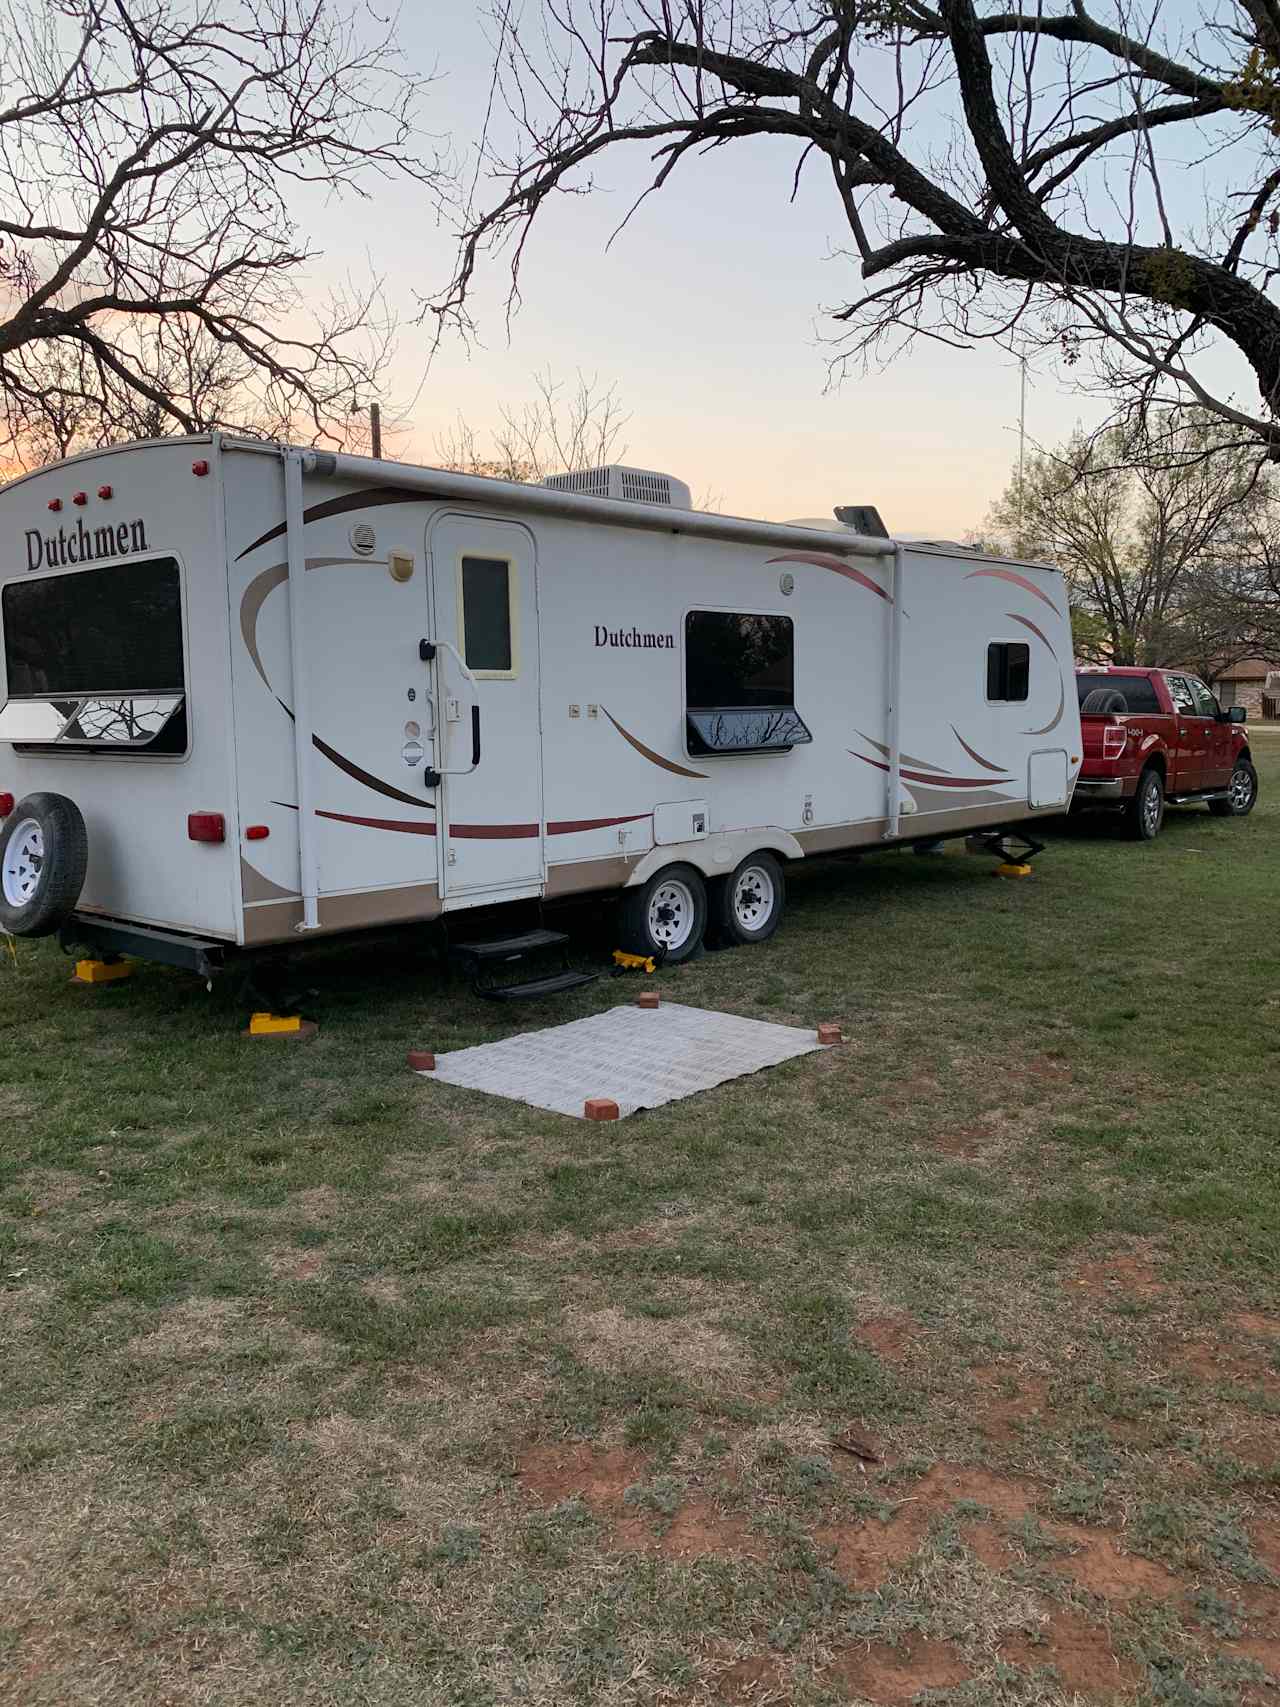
636 485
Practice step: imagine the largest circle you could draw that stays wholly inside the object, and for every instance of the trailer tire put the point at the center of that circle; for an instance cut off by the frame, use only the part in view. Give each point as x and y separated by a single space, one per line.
665 917
1243 796
1145 812
44 852
747 906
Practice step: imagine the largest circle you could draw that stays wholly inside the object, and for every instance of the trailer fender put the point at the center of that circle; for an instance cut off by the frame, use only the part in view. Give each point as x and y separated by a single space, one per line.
716 855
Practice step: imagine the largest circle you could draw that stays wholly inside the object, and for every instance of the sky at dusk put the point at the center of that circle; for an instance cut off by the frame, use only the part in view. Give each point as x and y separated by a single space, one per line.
707 313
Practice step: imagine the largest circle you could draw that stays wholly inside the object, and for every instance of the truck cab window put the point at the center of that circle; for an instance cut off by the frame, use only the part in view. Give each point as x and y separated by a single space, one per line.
739 673
1206 704
1184 701
1008 670
485 597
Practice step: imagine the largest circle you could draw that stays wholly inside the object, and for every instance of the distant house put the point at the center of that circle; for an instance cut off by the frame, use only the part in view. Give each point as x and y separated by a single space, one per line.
1253 683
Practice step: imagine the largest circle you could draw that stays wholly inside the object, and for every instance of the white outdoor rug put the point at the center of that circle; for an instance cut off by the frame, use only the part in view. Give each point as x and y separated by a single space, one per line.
640 1057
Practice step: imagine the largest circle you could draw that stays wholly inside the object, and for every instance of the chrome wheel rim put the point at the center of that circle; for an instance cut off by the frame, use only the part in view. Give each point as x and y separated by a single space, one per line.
672 914
1241 789
1151 808
23 863
753 898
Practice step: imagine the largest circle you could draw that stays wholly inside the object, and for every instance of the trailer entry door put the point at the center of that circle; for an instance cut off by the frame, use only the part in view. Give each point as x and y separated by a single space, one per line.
486 612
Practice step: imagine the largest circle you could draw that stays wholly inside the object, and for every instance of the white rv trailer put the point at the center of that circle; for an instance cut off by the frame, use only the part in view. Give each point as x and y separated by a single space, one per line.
290 694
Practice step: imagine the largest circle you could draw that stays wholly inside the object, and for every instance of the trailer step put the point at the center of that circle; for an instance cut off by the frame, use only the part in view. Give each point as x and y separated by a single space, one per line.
552 985
511 947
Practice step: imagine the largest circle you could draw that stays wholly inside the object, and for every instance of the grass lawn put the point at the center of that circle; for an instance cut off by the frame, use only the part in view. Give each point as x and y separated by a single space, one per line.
325 1383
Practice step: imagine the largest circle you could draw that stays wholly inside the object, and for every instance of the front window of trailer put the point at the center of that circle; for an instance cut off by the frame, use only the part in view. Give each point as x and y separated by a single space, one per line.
94 660
740 684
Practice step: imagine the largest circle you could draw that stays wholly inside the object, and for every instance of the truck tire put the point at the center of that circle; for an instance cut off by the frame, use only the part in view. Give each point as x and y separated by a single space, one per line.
1104 702
1145 812
666 917
747 906
43 855
1242 795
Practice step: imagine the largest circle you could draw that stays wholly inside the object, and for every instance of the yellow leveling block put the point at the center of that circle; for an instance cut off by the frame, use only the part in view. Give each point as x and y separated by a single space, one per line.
1012 871
102 971
634 962
274 1025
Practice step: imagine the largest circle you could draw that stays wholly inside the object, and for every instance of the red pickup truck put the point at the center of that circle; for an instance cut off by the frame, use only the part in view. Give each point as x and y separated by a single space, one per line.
1152 736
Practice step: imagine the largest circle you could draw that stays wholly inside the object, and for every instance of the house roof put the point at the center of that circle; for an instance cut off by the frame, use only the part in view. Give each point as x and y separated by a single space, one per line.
1247 670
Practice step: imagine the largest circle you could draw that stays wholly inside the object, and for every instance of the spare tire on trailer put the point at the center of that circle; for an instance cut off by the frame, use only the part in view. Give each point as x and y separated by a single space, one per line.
1106 701
43 855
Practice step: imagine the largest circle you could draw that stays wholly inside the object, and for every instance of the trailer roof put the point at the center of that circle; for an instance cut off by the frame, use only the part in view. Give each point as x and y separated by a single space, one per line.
517 495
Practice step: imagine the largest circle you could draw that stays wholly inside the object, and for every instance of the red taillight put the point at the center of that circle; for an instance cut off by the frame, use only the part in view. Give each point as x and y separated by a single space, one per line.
104 491
256 833
80 498
200 469
6 805
207 827
55 503
1114 737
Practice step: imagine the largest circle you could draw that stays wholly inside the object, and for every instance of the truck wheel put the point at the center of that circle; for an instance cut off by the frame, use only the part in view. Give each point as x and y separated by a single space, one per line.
1242 795
1145 812
747 905
666 916
43 855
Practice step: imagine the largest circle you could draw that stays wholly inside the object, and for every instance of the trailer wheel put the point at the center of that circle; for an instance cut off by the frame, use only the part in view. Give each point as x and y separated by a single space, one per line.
43 854
666 916
747 905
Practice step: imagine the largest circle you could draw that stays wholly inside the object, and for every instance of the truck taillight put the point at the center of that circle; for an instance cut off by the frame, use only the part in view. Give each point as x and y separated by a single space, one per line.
1114 737
207 827
6 805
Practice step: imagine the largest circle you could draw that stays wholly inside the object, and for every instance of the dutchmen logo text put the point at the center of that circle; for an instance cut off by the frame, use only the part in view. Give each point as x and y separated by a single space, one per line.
84 545
634 637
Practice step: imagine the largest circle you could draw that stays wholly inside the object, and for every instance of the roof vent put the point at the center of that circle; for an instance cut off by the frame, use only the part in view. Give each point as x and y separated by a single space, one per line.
862 518
636 485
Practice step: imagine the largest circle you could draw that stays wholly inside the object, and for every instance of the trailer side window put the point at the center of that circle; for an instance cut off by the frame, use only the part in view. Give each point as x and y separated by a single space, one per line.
1008 670
740 683
94 660
486 589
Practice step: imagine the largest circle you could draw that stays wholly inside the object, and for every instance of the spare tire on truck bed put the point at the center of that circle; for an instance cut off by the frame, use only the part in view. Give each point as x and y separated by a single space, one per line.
1104 701
43 855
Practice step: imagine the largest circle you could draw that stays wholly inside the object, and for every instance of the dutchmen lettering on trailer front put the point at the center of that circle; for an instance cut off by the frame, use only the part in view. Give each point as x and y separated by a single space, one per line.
633 637
85 545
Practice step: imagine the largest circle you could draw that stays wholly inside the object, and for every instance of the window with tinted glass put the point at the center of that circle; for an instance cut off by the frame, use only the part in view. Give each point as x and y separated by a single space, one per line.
1206 704
1138 692
485 591
94 660
1184 701
1008 670
740 683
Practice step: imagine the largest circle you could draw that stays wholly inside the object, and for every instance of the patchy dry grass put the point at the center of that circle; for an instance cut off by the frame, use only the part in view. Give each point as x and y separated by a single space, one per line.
945 1362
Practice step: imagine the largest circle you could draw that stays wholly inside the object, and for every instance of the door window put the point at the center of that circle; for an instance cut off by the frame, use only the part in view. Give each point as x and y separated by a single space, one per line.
1184 701
1206 704
485 598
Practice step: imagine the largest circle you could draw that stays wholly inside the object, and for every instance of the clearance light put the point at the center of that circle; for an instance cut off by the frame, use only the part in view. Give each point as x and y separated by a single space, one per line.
256 833
104 491
200 468
207 827
6 805
80 499
55 503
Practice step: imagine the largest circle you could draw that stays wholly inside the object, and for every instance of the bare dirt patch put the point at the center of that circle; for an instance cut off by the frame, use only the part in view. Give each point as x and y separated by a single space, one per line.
965 1142
866 1553
756 1680
1128 1276
1227 1361
1254 1325
698 1529
1078 1650
1007 1398
1098 1564
889 1336
892 1675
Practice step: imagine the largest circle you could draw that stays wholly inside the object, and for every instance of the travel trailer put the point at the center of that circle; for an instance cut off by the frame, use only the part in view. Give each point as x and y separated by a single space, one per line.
255 695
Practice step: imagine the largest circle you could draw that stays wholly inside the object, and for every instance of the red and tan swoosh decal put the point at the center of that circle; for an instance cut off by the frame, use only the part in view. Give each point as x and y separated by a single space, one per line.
1057 716
838 566
474 832
975 756
932 777
1018 581
903 758
367 498
648 752
1038 632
